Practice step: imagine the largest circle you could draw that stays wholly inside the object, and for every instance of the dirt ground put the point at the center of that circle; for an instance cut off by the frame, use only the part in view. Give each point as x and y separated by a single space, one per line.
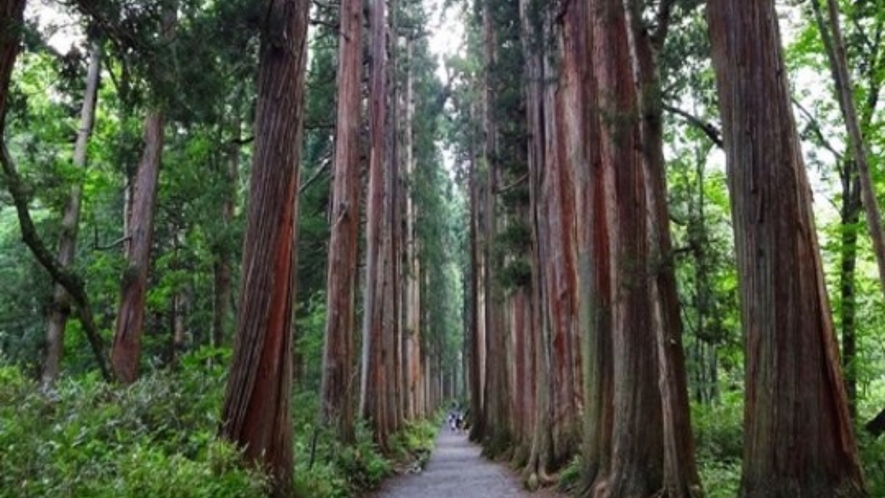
456 470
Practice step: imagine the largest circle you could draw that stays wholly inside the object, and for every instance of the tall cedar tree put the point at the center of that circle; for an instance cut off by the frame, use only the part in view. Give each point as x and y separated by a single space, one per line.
338 346
635 467
256 406
681 477
798 439
372 381
532 30
126 350
497 424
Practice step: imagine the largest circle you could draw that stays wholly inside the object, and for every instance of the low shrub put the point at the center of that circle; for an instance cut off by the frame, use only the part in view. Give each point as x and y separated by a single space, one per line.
156 438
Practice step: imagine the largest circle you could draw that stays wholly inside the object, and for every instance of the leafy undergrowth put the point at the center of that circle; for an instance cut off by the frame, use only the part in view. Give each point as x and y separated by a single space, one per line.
326 468
87 438
157 438
719 434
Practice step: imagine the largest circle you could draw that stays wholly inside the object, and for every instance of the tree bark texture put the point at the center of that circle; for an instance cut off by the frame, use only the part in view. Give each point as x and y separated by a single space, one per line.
798 439
339 344
681 477
476 356
255 414
533 31
372 381
497 389
560 283
133 288
636 463
67 243
412 277
126 349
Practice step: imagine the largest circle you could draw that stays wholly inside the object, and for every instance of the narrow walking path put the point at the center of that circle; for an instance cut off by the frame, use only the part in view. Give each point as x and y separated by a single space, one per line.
456 470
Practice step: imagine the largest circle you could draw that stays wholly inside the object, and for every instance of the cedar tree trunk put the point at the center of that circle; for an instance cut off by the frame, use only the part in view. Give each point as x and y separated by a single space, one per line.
255 415
798 439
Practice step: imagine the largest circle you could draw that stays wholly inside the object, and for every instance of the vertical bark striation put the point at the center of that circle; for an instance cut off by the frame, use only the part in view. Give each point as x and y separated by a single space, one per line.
798 439
338 347
372 381
126 350
256 407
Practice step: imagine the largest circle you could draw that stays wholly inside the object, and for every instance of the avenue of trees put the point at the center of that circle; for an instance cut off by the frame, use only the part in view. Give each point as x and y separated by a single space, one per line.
256 248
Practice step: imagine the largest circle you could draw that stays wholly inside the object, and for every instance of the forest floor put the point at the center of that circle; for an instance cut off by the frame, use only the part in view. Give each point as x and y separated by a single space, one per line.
457 470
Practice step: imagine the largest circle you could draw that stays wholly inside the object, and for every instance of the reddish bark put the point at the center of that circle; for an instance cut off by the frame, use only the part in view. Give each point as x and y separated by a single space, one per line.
536 470
798 438
681 477
256 407
126 350
373 383
339 345
635 467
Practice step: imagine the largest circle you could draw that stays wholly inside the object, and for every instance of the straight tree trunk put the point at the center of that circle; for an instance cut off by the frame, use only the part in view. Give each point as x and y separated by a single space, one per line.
561 282
412 277
126 350
798 439
681 477
497 389
533 33
339 345
67 243
130 316
591 183
636 462
394 217
255 414
476 358
372 401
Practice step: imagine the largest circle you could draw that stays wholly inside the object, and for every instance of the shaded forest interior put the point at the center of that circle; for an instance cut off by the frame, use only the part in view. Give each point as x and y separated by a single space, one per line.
260 248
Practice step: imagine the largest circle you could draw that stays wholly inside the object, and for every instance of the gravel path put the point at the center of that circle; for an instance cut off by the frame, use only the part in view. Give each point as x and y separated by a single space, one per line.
456 470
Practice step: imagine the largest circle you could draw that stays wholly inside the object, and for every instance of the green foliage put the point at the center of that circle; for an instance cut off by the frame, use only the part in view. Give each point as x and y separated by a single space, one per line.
326 468
720 479
311 326
872 453
570 475
718 431
158 438
88 438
